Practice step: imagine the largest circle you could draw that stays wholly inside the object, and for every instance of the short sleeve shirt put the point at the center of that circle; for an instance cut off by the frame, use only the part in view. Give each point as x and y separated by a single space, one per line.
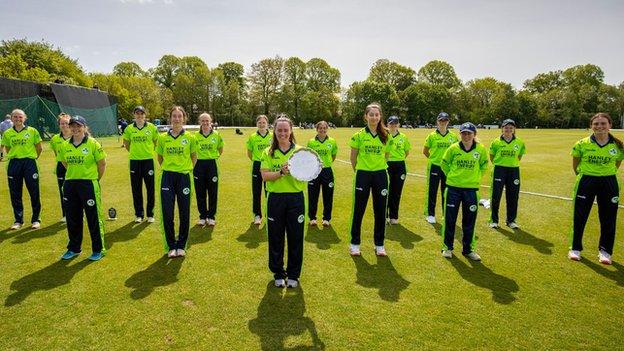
371 151
22 143
400 146
257 143
326 149
55 143
507 154
273 163
464 168
597 160
208 146
82 159
141 140
176 151
438 143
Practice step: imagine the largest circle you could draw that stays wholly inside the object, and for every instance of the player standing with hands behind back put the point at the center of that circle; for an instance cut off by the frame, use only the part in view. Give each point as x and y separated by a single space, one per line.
325 146
397 171
256 144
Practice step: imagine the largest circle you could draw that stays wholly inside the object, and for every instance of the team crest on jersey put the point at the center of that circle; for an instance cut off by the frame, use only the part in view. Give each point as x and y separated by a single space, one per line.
214 179
615 199
186 191
384 192
476 155
85 150
329 146
147 132
612 151
26 136
300 219
184 141
91 202
473 208
516 181
516 147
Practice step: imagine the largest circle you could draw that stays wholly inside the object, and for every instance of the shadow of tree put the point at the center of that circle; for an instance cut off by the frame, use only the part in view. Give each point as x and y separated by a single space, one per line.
30 234
522 237
160 273
323 238
253 236
617 276
127 232
50 277
502 288
404 236
199 235
382 276
280 315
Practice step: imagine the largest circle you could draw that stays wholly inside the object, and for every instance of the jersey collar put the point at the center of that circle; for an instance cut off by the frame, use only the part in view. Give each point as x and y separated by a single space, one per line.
175 137
23 129
445 134
321 141
84 140
369 132
137 127
207 135
262 136
287 151
593 139
510 141
461 146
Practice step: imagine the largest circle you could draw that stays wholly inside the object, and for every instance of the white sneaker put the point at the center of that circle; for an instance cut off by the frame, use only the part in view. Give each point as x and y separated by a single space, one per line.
172 254
280 283
138 220
447 253
380 251
473 256
574 255
485 203
257 220
211 222
312 222
180 252
431 220
513 225
326 223
354 250
292 283
15 226
36 225
393 221
150 219
201 222
604 257
64 220
493 225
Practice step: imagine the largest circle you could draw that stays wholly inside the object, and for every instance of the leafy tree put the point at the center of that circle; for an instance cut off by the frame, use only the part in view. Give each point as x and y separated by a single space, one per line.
487 101
360 94
439 72
265 81
129 69
398 76
423 101
294 87
164 73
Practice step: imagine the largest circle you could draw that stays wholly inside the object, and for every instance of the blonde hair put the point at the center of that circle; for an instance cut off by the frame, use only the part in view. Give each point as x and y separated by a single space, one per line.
205 114
18 111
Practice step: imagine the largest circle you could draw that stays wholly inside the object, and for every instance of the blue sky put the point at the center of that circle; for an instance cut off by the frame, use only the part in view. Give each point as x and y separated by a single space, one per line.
508 40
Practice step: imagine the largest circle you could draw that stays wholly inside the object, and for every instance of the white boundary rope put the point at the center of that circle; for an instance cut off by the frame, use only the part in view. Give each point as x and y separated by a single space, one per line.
487 186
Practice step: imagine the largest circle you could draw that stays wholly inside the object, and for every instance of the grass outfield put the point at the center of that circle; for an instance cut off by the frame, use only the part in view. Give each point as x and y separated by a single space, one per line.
524 295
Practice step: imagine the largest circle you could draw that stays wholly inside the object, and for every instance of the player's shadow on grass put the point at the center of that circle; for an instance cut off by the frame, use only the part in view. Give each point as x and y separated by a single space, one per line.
521 237
253 236
199 235
163 272
382 276
617 276
502 288
30 234
323 238
404 236
58 273
127 232
281 315
7 234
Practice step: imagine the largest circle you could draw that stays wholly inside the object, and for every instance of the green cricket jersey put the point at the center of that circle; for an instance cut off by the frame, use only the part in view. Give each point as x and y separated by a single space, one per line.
257 143
208 146
22 143
55 143
597 160
438 143
176 151
326 149
507 154
82 159
141 140
464 168
400 146
371 151
286 183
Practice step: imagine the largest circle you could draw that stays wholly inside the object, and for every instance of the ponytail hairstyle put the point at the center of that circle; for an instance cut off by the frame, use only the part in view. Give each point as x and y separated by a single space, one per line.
382 131
178 108
274 143
618 141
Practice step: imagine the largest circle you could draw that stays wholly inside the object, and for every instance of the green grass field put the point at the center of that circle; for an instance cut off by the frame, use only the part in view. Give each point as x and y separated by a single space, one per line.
524 295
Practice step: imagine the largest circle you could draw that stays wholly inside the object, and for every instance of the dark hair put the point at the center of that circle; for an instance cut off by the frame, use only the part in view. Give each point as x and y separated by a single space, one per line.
618 142
381 127
274 143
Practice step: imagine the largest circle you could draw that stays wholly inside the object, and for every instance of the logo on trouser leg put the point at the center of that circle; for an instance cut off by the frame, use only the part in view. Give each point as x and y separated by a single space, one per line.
214 179
473 208
615 199
384 192
402 176
186 191
150 172
517 181
35 175
300 218
91 202
331 184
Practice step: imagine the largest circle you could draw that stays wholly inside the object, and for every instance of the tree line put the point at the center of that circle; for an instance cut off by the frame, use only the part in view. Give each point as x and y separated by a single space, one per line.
309 91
